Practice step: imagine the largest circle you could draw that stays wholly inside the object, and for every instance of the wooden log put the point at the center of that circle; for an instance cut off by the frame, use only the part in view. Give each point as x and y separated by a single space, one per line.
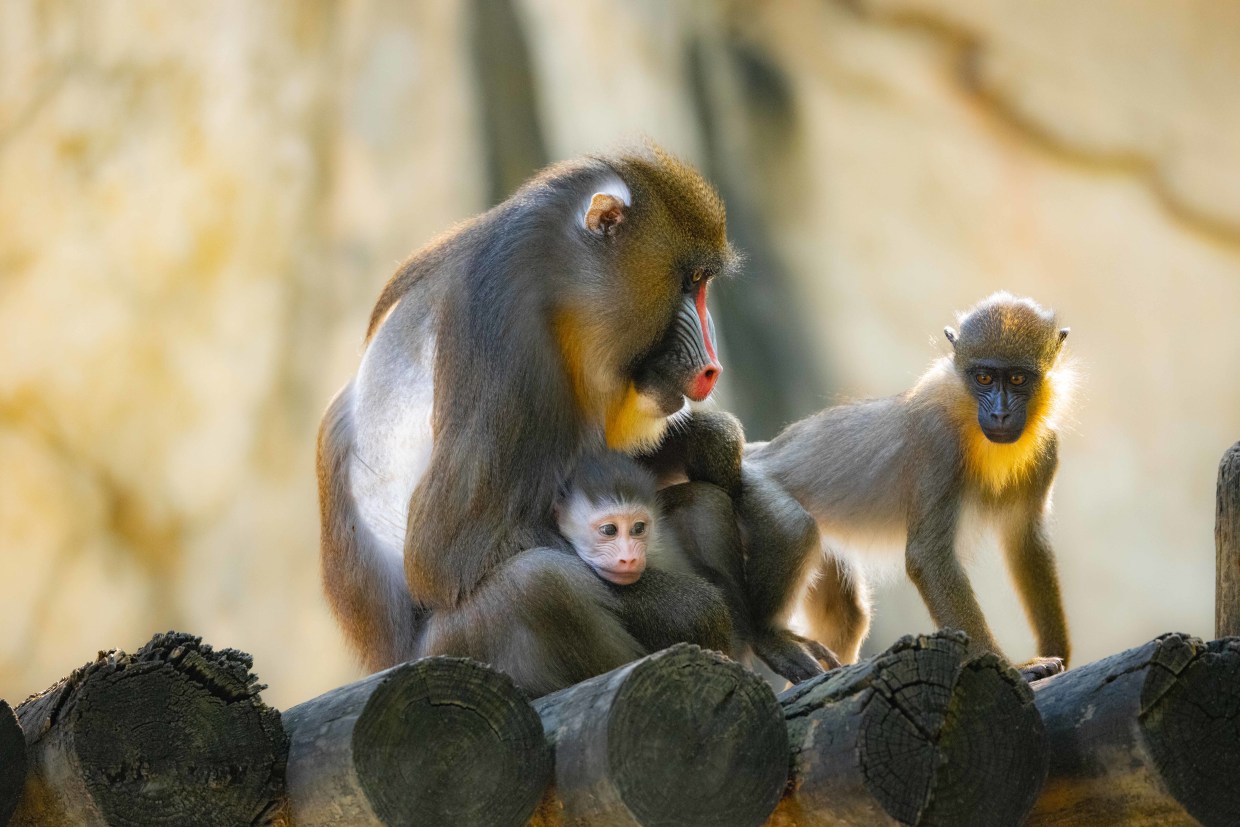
435 741
917 735
1148 736
12 762
173 734
1227 546
683 736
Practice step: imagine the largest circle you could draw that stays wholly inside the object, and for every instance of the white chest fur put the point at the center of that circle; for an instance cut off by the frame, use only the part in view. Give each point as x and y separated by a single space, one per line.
393 397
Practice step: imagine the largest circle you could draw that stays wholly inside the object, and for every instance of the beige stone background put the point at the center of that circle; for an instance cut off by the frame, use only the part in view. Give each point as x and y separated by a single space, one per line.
200 201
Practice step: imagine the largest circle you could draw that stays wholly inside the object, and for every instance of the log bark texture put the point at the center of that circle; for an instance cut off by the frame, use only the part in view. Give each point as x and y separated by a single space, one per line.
1227 546
681 737
175 733
917 735
12 762
435 741
1148 736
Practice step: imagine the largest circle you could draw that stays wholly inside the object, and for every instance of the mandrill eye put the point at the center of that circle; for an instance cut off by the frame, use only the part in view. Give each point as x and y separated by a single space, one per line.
697 276
1017 378
984 379
607 529
639 528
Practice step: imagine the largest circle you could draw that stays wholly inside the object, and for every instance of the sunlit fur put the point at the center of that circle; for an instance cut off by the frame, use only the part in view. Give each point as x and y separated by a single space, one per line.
991 465
919 465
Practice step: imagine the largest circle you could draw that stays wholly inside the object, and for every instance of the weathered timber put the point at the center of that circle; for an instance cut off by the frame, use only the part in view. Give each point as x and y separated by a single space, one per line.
435 741
12 762
917 735
1227 546
683 736
1148 736
173 734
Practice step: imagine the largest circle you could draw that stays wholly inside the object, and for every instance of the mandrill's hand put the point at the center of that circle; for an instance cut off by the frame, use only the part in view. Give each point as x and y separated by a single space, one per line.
791 656
1039 668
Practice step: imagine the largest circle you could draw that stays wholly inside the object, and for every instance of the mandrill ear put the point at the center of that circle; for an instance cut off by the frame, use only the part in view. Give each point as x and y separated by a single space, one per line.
604 213
951 335
1063 334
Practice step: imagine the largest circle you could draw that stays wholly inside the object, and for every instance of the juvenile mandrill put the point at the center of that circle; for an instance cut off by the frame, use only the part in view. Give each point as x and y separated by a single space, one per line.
975 435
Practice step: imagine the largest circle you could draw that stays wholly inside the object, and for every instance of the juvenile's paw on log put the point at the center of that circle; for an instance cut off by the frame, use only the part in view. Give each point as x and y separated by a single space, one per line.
12 762
435 741
917 735
175 733
1040 668
682 737
1148 736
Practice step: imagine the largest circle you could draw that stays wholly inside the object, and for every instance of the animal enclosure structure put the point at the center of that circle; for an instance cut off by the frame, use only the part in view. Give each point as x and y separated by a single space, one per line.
177 733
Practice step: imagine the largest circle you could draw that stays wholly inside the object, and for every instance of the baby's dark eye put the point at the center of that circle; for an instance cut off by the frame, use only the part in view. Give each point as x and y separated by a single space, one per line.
607 529
639 528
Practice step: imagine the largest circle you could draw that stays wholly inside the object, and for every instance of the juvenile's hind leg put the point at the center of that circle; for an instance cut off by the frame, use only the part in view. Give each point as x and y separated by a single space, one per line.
837 608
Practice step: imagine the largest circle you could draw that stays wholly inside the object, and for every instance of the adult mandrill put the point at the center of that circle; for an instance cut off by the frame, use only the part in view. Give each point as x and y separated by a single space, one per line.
495 357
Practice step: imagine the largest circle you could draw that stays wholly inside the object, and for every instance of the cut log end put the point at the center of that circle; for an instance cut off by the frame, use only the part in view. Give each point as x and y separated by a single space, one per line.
448 741
695 711
1145 736
920 735
684 736
12 762
174 733
1190 719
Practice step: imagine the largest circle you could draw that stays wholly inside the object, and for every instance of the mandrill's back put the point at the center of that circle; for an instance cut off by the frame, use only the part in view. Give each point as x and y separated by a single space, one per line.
851 466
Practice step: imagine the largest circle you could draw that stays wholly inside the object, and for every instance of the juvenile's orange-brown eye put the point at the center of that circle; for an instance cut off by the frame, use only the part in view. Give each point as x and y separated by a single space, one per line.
1017 379
984 379
607 529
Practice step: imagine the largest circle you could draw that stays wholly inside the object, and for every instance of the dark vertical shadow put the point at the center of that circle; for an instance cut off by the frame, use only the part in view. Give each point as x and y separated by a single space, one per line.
508 98
774 375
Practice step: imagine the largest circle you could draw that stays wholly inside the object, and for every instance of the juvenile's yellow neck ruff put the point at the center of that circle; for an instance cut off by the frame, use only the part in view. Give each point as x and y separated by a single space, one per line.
992 466
996 467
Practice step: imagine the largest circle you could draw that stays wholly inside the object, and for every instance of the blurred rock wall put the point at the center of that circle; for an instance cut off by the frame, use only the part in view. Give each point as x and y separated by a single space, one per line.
199 203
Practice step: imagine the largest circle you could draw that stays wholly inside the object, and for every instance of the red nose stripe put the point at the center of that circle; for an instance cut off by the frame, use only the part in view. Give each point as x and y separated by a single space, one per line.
701 311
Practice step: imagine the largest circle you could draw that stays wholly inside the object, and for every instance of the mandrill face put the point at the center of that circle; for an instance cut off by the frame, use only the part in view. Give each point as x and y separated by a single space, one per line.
1003 393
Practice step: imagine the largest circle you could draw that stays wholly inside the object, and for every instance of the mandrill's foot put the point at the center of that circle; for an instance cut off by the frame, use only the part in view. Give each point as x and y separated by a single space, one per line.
791 656
1039 668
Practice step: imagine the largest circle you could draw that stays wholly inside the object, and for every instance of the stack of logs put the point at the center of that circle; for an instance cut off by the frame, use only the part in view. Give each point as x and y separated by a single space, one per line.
921 734
177 733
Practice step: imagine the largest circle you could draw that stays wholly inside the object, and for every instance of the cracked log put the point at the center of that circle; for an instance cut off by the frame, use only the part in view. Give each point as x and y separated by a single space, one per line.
1148 736
1227 546
435 741
173 734
12 762
683 736
917 735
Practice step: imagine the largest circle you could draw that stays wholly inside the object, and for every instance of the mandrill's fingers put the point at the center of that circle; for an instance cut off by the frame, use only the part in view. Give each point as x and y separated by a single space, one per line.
1039 668
821 654
791 656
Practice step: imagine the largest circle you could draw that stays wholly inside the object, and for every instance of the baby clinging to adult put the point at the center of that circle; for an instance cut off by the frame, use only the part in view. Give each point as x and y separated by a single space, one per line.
608 513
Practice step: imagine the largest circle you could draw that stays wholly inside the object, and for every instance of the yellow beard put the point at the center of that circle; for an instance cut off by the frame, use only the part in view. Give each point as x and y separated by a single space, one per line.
632 425
995 467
